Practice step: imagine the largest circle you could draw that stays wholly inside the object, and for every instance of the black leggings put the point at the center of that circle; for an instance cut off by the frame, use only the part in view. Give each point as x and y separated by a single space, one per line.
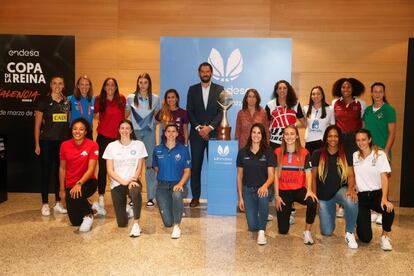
368 201
313 145
80 207
49 160
102 143
290 196
119 200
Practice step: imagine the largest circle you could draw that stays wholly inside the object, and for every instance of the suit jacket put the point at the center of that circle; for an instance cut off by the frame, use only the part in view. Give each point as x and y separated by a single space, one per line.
197 113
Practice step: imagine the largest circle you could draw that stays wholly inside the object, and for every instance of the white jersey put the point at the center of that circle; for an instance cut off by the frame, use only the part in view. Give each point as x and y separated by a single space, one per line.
316 125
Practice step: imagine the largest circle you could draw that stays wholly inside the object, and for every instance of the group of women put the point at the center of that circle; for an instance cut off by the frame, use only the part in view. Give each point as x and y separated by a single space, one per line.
341 163
122 148
345 160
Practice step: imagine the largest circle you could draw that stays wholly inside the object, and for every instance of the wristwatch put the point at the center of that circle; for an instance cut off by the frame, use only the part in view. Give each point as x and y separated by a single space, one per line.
79 184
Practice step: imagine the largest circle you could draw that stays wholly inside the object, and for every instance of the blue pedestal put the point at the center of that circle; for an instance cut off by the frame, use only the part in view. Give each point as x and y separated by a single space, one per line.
222 181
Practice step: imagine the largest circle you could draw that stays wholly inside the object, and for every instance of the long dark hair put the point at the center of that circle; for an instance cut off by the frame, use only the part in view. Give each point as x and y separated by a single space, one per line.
358 87
132 135
323 105
256 94
263 141
77 92
165 114
291 98
144 76
341 162
102 96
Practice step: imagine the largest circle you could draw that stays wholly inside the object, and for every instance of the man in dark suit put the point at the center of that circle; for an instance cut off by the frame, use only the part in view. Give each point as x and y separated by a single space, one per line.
205 116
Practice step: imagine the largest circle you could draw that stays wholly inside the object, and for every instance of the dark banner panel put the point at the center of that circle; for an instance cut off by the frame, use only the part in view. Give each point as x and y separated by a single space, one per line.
407 179
27 62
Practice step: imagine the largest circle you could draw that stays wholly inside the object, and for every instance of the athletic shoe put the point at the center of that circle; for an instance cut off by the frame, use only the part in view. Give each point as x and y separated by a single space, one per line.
261 238
307 237
150 203
340 213
99 210
350 240
176 233
385 243
374 217
101 201
59 208
135 231
130 211
269 217
292 220
379 219
45 210
86 224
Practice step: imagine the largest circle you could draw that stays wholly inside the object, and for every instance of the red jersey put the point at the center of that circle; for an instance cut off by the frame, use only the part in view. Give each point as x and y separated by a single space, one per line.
293 176
348 117
110 119
77 159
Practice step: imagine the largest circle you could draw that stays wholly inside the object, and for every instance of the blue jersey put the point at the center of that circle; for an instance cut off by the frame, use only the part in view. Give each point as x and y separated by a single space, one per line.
171 162
81 108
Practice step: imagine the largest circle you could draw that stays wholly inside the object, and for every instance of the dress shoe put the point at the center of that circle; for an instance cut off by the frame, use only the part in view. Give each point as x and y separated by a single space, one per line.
194 202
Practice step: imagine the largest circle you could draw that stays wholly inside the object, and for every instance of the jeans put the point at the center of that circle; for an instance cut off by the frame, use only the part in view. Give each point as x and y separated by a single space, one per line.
256 208
119 200
327 212
80 207
170 203
147 136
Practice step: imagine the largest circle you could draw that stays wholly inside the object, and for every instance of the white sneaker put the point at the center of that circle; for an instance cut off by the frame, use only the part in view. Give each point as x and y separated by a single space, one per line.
307 237
374 217
261 238
176 233
101 201
86 224
269 217
45 210
340 213
379 219
59 208
350 240
292 220
385 243
130 211
99 210
135 231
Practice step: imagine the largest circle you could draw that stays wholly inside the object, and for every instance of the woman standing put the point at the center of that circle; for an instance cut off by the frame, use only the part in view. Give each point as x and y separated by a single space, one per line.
380 119
334 181
172 163
293 182
319 116
82 102
110 105
78 158
50 130
250 114
171 112
125 159
255 174
283 110
142 105
371 168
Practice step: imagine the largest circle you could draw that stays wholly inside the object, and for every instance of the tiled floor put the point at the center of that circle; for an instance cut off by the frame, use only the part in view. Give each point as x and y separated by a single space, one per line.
209 245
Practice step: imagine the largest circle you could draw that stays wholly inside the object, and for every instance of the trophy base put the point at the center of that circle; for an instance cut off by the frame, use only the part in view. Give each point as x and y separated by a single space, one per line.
223 133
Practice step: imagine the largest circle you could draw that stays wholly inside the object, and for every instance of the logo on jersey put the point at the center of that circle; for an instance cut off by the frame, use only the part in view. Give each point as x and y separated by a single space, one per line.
96 152
84 153
133 152
177 157
59 117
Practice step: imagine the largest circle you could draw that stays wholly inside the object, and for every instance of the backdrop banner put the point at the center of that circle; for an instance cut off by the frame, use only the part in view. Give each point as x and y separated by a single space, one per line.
238 64
27 62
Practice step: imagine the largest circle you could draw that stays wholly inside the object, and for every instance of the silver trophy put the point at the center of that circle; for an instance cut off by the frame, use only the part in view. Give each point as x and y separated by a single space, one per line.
225 101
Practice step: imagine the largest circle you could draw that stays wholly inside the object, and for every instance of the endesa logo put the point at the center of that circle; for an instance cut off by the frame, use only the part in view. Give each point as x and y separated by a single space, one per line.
234 65
223 152
24 53
223 157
